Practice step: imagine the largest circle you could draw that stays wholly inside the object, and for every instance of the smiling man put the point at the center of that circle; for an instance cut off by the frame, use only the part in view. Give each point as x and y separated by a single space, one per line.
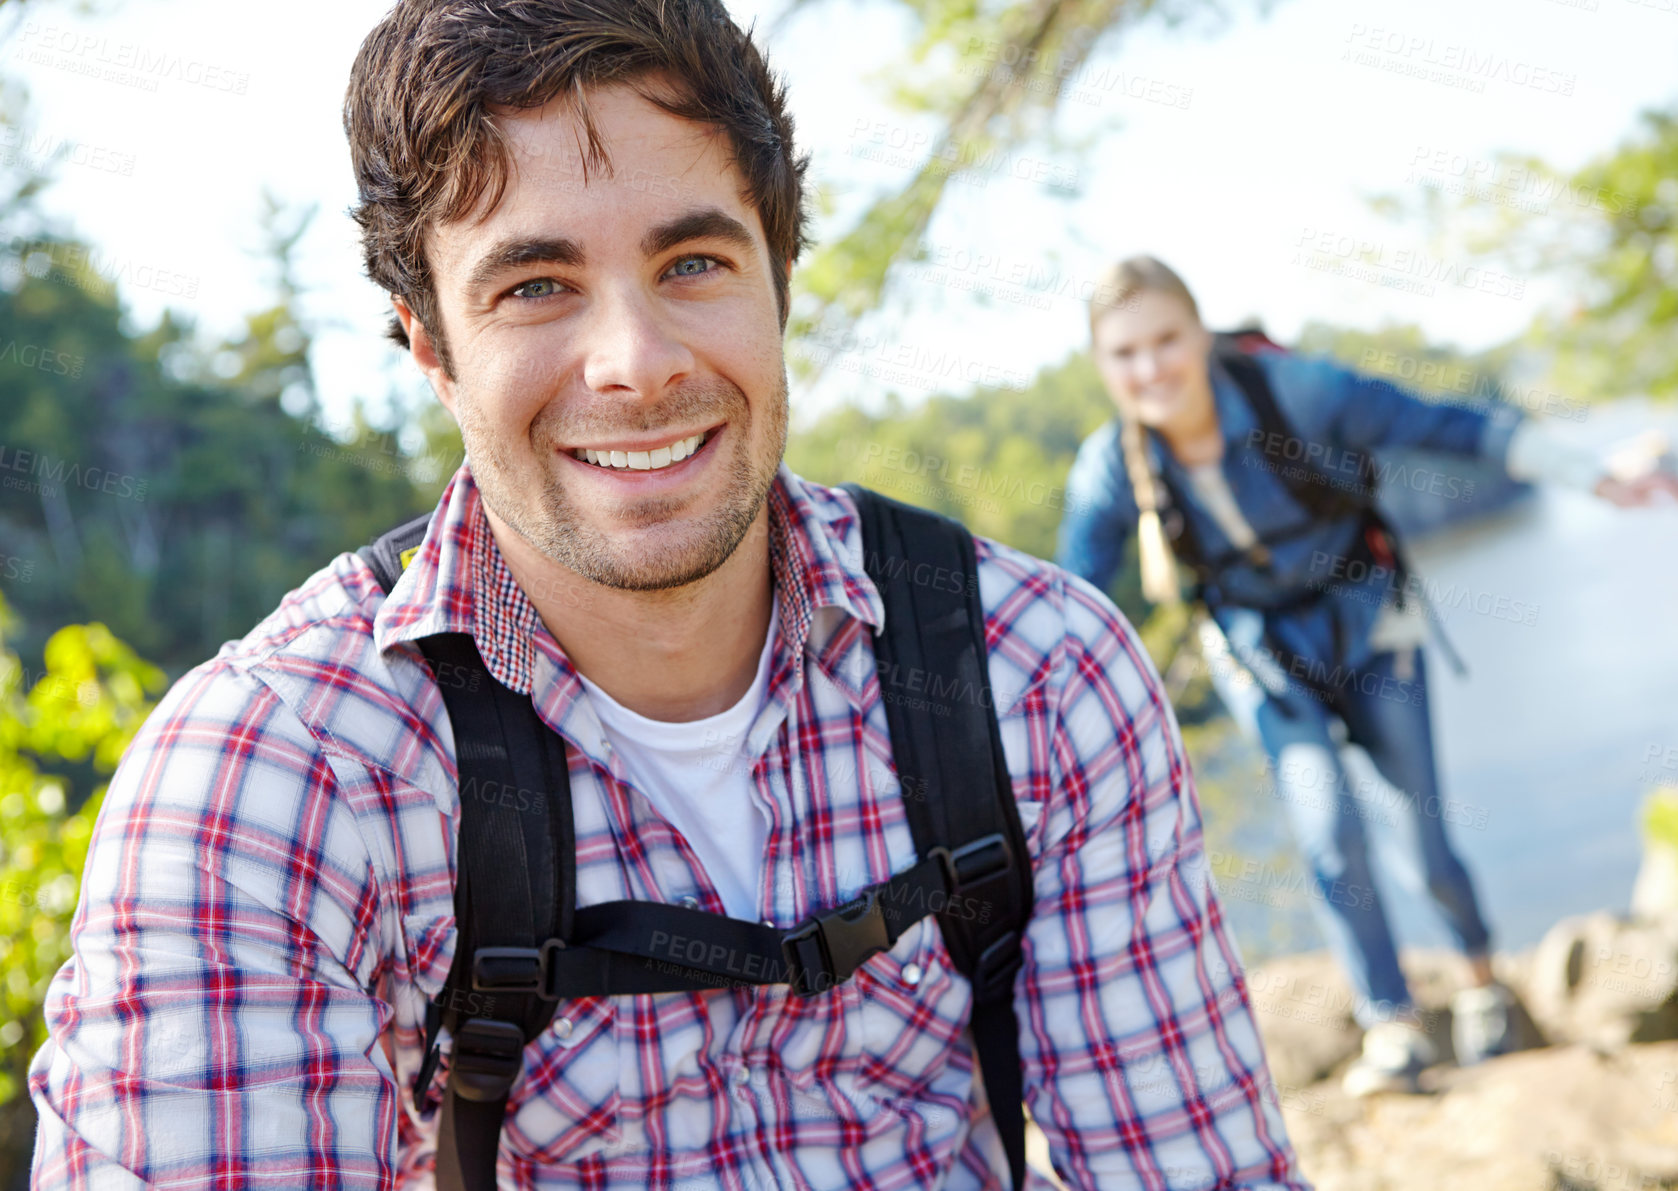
586 216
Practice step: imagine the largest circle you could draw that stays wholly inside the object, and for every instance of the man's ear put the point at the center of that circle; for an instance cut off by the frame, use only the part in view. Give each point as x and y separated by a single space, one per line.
424 353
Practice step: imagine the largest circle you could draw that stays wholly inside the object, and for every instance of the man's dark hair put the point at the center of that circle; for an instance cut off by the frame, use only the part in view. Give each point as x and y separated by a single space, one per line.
419 115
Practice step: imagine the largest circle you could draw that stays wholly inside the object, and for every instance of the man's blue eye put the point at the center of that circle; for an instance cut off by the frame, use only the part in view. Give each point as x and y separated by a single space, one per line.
693 266
524 291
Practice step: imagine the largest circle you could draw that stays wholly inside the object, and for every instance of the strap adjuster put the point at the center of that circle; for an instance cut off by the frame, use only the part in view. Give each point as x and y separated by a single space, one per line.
975 863
514 969
828 948
488 1056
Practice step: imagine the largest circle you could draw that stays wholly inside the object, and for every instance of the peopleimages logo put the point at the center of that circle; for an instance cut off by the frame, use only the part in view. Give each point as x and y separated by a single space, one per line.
41 359
97 271
1410 269
48 473
122 61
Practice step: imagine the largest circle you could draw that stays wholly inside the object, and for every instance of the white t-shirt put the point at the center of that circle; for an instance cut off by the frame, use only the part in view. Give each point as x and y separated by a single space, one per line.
698 776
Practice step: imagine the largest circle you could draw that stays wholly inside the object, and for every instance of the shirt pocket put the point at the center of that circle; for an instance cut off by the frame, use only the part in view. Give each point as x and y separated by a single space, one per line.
565 1106
915 1055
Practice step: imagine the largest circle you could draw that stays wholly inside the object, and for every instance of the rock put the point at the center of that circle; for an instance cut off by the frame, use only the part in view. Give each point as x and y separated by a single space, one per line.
1304 1009
1654 896
1557 1119
1303 1006
1604 982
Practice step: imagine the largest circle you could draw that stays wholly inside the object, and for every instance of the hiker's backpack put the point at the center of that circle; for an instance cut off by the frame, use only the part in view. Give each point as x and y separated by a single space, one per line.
524 940
1322 496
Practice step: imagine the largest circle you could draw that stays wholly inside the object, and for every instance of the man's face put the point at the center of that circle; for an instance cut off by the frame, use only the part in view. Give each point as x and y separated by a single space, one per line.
1152 353
618 376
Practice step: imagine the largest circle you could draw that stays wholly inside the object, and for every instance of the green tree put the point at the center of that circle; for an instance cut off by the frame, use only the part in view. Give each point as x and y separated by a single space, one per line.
1618 338
989 81
996 459
161 487
62 731
1608 231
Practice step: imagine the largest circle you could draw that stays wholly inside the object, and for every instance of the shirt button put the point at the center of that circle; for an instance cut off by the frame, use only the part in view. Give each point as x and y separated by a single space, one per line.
562 1027
769 922
605 745
691 902
912 975
740 1076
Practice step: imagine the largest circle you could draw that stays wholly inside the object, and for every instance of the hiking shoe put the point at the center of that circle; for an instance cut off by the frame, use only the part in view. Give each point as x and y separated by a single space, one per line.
1482 1023
1393 1056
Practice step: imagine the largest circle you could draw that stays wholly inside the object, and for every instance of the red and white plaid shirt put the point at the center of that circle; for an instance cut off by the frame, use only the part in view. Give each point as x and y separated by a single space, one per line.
268 904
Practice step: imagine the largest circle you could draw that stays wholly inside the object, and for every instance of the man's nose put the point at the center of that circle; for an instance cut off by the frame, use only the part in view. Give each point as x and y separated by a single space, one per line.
630 346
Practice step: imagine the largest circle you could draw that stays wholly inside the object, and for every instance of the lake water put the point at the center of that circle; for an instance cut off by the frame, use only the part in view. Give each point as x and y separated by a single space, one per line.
1562 726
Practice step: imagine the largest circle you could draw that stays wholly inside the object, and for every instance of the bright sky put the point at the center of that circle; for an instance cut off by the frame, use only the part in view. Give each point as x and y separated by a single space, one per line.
1243 155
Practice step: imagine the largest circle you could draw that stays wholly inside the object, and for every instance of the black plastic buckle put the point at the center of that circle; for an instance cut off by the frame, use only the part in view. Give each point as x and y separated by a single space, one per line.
488 1056
974 863
514 969
828 948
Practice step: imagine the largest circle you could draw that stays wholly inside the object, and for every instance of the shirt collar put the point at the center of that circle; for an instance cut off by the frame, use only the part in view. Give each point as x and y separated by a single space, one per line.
459 582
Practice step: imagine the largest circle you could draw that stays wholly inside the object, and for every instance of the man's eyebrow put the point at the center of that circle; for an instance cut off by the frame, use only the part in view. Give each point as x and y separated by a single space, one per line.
707 224
518 251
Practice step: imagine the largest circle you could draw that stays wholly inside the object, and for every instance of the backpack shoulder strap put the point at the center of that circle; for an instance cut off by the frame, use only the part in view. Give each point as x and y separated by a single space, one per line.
1324 497
515 887
388 554
957 792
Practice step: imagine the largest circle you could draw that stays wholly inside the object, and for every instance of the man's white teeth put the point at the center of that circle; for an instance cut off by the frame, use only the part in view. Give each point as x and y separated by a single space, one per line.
642 460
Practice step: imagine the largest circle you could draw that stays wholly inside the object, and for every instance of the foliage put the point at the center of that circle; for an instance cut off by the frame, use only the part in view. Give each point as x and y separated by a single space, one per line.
1660 816
1403 353
1609 231
1620 338
170 490
996 459
61 730
988 81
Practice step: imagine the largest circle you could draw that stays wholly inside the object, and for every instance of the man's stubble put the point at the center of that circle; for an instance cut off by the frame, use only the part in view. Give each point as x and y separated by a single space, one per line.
553 526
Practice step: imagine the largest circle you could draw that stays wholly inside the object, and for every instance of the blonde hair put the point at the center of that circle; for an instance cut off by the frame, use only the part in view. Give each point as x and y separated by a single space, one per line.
1116 290
1119 284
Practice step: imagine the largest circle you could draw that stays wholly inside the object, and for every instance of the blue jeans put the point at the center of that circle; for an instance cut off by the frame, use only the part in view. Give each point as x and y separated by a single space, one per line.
1388 718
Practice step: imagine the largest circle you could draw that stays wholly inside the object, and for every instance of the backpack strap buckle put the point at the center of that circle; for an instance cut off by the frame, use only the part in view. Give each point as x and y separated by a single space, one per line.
488 1056
829 947
515 969
974 863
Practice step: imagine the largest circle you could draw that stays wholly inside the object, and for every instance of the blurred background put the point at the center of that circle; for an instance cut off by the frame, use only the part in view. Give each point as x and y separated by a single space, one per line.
1480 200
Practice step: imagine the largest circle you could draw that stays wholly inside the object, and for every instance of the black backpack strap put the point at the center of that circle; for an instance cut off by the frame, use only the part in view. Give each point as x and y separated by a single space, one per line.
958 794
515 891
388 555
1320 494
515 887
